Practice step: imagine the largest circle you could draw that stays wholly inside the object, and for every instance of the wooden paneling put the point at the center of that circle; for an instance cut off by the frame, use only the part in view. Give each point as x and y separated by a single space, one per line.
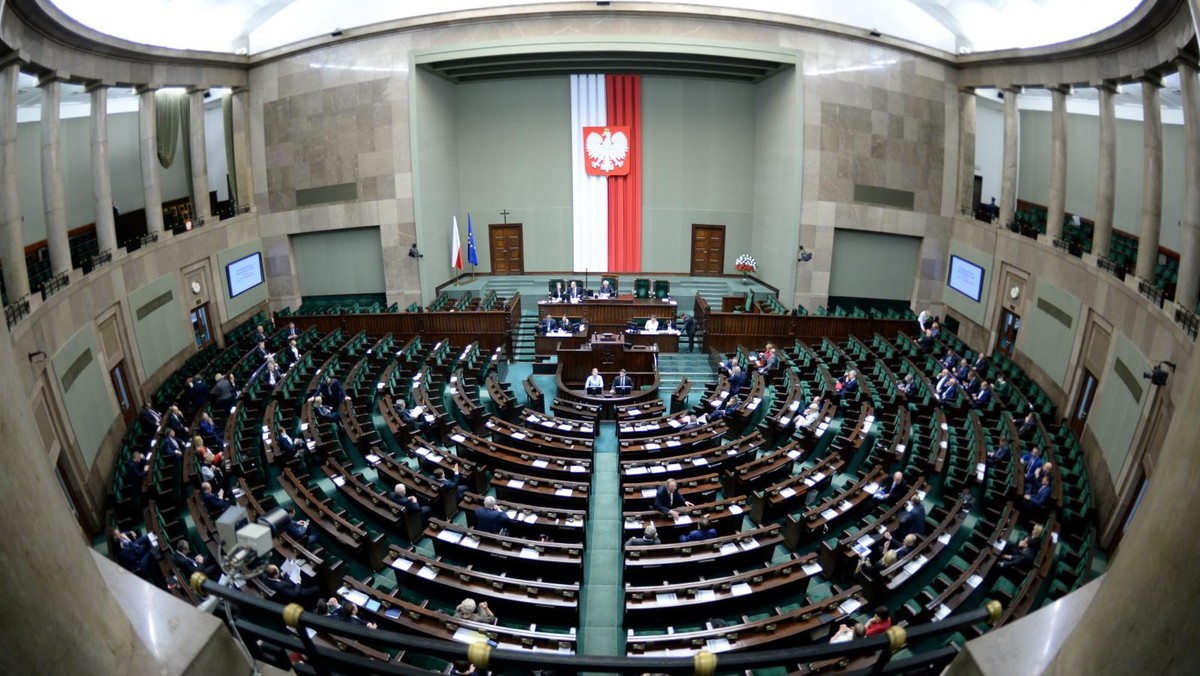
610 315
724 331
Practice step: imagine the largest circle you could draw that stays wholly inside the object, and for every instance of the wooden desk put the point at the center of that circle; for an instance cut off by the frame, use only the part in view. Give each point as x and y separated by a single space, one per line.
610 314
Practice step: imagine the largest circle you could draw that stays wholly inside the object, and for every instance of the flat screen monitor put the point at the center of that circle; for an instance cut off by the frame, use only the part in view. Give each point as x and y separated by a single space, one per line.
965 278
623 390
595 391
244 274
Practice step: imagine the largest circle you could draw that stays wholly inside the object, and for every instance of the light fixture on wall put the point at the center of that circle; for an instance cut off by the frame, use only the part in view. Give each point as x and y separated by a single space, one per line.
1158 375
803 256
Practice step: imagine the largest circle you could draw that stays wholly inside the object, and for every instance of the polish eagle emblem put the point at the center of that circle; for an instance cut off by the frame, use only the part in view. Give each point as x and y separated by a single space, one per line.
606 150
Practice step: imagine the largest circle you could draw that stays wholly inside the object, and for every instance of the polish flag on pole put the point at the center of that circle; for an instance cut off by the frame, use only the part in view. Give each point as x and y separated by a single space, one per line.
456 261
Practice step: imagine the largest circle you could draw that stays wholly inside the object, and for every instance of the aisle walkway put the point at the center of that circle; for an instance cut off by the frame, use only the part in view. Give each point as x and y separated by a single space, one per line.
602 600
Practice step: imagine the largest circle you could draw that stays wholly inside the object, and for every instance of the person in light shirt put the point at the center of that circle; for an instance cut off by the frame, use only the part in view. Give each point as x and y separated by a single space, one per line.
652 324
594 380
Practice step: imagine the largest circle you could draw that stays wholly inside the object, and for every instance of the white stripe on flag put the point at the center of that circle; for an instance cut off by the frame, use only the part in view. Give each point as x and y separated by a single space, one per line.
589 193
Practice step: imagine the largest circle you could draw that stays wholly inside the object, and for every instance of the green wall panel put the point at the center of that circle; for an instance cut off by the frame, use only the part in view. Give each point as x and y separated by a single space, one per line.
433 112
778 152
160 325
1115 415
1048 329
698 162
337 262
248 299
873 265
79 365
514 154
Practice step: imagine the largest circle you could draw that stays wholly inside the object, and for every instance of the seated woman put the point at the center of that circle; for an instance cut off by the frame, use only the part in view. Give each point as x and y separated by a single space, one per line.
652 324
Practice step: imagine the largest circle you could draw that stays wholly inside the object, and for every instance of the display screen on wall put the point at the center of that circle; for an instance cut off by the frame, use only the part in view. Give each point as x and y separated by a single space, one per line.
966 278
244 274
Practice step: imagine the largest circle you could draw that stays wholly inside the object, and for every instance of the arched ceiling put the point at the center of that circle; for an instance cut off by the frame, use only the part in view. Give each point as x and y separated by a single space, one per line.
255 26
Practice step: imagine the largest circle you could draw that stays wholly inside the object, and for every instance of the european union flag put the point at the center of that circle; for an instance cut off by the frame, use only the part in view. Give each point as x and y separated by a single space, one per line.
472 257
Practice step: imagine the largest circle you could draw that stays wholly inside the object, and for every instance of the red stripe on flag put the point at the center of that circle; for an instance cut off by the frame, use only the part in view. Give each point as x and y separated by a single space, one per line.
624 104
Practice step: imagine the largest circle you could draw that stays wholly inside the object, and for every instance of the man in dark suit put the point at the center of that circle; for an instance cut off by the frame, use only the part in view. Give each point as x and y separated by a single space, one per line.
261 353
453 482
287 446
196 392
332 391
170 444
689 329
150 418
558 293
1037 500
299 529
1028 426
135 554
215 503
963 371
135 471
980 365
408 503
489 519
417 423
622 383
737 380
668 500
574 292
548 324
290 333
648 537
287 591
176 422
912 519
703 531
848 384
291 354
948 395
891 490
259 335
1001 453
188 564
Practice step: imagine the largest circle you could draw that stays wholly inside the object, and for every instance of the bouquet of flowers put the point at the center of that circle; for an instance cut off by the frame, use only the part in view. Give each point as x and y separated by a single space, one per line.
745 264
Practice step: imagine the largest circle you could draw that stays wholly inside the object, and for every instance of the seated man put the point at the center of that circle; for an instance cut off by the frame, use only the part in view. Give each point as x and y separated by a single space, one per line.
489 519
215 503
963 371
847 385
299 529
942 382
548 324
1027 550
1028 426
812 413
272 374
287 591
419 423
981 364
566 325
209 431
558 293
150 418
1031 461
950 394
1001 453
668 499
261 353
652 324
176 422
574 293
188 564
907 387
454 482
984 396
324 411
170 444
135 554
605 290
703 531
594 383
949 361
622 384
290 333
291 354
891 491
728 407
648 537
727 365
287 445
407 503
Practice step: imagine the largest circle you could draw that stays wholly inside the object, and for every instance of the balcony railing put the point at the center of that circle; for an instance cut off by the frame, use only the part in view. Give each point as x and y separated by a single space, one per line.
1111 267
1188 320
1149 290
55 284
16 311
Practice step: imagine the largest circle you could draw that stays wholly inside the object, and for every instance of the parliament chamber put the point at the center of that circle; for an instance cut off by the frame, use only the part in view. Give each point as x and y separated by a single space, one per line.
525 337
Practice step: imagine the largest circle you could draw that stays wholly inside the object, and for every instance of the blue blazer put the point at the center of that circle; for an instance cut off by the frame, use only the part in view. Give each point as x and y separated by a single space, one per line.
490 520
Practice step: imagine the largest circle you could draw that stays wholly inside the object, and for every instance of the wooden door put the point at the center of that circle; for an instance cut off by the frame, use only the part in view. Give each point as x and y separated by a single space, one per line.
708 249
1083 403
508 253
1010 324
120 383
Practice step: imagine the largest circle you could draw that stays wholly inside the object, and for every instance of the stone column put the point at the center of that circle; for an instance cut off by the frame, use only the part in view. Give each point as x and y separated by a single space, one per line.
1146 605
1058 164
241 147
966 150
12 238
148 143
106 226
1151 179
1188 287
199 154
1106 185
1008 184
70 622
53 200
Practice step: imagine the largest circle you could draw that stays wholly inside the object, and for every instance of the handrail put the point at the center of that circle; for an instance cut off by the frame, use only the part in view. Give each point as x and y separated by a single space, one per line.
484 656
1111 267
1152 292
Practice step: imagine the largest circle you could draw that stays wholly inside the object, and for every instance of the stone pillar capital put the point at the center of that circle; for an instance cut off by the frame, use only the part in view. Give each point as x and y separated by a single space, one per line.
1186 61
94 85
18 57
52 77
1060 88
1110 86
150 87
1150 78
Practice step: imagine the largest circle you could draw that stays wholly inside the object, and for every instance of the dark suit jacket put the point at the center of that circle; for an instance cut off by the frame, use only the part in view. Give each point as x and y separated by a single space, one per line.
698 534
490 520
892 490
689 326
623 382
1042 496
736 383
665 501
149 419
177 423
198 394
171 445
548 324
215 505
913 522
1001 453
